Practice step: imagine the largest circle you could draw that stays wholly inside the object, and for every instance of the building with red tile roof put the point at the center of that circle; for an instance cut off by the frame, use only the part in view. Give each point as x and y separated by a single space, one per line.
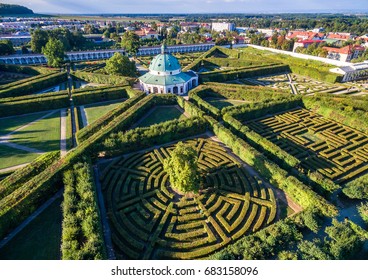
345 54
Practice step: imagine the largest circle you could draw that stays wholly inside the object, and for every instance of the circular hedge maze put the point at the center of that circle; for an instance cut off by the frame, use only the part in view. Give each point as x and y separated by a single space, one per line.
150 220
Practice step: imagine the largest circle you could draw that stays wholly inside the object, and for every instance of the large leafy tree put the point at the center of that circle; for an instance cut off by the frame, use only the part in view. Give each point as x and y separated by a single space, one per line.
54 52
39 39
130 42
120 64
182 168
6 47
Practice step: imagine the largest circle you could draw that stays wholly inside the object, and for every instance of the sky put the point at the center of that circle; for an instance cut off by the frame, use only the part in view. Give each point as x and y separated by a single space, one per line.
189 6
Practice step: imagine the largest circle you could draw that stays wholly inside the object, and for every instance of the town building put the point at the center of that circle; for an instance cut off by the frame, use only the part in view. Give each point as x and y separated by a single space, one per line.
344 54
305 43
223 26
165 76
305 35
353 72
147 33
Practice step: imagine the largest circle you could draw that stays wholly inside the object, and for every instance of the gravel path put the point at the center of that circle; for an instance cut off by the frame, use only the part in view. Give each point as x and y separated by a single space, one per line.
84 116
103 215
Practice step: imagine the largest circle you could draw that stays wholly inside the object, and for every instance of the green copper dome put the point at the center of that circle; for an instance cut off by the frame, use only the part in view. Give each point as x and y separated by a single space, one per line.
164 63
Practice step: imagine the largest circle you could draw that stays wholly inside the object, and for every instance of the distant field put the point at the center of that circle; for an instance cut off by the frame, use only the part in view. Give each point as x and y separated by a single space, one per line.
40 240
12 157
94 112
162 114
107 18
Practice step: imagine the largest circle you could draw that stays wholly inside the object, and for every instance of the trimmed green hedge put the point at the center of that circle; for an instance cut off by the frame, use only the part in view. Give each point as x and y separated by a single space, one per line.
29 70
281 157
22 175
82 237
298 191
23 201
57 100
229 75
103 79
351 111
141 138
92 128
252 94
32 85
248 112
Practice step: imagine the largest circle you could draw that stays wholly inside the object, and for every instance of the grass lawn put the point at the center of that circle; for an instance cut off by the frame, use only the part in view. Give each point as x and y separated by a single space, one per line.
94 112
11 157
223 102
161 114
39 240
69 132
8 125
43 135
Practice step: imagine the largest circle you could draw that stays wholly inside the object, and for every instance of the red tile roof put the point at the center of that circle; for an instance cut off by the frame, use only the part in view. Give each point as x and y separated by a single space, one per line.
345 50
338 36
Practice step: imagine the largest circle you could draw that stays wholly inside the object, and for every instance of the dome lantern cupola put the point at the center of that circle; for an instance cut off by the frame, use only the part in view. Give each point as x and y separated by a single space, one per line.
163 48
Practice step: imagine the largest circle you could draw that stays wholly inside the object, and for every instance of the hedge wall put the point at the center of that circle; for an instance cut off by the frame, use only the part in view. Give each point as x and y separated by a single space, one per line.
92 128
248 112
103 79
226 75
281 157
32 85
57 100
82 237
350 111
249 93
22 175
142 138
298 191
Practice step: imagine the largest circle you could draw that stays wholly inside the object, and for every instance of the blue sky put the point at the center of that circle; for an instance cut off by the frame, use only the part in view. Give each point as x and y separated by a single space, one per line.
190 6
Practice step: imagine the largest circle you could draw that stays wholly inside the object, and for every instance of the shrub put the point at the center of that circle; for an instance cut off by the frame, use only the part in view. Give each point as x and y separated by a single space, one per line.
82 237
32 85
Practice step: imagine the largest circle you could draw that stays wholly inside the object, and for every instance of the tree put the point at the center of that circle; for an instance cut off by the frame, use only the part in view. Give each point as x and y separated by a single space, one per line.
287 255
39 39
130 42
121 65
182 168
6 47
25 50
54 52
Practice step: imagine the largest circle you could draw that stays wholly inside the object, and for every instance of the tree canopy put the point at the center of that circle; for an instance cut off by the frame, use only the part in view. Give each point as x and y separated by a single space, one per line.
130 42
120 64
70 40
6 47
9 9
54 52
182 168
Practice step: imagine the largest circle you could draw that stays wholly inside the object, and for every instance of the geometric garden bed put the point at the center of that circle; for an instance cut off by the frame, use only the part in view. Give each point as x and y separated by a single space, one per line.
150 220
336 151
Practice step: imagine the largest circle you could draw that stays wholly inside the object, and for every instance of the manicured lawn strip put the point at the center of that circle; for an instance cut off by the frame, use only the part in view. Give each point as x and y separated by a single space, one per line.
94 112
162 114
222 103
43 135
8 125
40 240
69 132
12 157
